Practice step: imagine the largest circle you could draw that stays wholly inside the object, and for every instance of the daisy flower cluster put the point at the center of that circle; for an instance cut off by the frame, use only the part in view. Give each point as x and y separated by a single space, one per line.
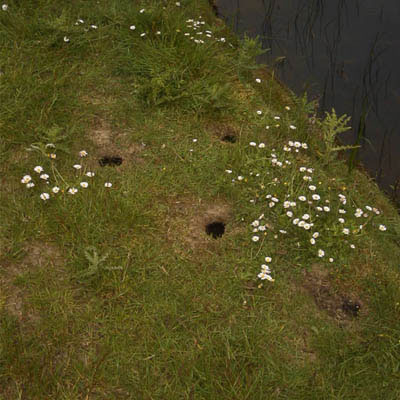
56 184
86 27
198 33
276 121
299 206
265 271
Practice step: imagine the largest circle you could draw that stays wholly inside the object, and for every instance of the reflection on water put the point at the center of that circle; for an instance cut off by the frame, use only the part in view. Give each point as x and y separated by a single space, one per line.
346 53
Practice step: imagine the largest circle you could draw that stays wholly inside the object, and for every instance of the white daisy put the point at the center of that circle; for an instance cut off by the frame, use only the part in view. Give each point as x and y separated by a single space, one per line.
265 268
26 179
72 190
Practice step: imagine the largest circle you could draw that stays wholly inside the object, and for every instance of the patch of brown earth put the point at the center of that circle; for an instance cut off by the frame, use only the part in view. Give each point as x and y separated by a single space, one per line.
224 132
38 255
343 307
110 143
187 220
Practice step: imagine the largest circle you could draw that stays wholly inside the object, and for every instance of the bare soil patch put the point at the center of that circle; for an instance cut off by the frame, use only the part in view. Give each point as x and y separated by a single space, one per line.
111 144
343 307
38 255
224 131
188 219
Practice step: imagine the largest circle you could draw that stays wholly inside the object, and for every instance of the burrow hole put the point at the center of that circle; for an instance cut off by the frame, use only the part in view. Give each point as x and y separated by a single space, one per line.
215 229
229 138
110 160
351 307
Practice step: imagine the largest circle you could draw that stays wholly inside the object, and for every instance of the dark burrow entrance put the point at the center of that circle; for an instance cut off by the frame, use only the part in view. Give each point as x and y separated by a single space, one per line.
110 160
215 229
350 307
229 138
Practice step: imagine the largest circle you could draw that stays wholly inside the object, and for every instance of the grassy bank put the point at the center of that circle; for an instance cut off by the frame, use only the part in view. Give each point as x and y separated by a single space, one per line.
175 224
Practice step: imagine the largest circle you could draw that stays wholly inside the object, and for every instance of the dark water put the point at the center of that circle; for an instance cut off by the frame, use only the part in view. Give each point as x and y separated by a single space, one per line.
346 54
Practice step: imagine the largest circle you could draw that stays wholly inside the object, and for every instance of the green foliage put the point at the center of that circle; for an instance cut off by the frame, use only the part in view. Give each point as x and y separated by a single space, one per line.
248 51
94 262
51 137
305 106
331 126
186 316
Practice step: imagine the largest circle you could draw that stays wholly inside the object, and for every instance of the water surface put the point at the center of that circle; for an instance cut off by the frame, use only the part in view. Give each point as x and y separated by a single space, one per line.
346 54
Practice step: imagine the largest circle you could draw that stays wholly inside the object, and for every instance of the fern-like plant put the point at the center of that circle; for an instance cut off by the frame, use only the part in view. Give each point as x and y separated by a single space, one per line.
94 262
247 54
331 126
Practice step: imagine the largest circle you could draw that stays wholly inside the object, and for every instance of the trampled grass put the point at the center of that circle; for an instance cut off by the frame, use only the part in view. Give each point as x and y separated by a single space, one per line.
110 286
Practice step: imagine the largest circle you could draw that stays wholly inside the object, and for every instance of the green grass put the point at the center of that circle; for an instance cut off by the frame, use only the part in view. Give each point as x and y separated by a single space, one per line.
117 292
